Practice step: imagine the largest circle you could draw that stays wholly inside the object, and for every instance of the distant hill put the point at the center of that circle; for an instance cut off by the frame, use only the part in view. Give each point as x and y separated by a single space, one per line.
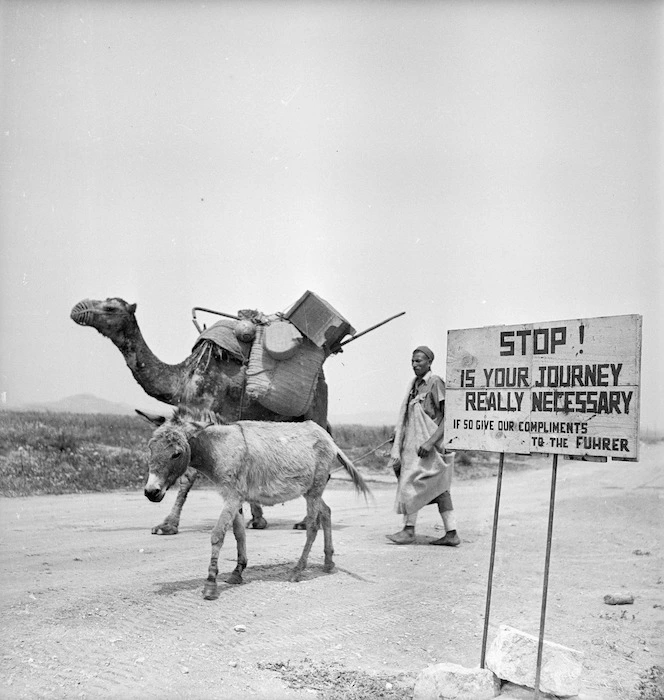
88 403
80 403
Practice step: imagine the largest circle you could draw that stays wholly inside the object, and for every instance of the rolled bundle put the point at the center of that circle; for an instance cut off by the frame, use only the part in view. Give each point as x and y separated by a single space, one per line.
284 386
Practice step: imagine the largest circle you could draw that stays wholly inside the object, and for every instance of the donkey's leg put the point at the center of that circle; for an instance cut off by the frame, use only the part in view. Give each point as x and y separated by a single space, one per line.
257 521
326 522
241 541
313 521
172 521
228 514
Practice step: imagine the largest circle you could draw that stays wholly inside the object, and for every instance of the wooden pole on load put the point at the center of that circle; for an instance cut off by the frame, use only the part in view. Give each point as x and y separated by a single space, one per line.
357 335
545 590
492 558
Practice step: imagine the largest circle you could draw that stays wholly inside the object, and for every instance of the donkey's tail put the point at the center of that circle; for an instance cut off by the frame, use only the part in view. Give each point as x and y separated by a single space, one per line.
358 482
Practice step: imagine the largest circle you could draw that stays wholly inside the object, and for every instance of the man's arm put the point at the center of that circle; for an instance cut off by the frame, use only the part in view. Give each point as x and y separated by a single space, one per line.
394 463
427 446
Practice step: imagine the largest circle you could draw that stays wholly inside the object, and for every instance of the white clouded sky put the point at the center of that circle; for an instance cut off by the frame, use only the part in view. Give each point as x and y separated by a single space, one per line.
469 163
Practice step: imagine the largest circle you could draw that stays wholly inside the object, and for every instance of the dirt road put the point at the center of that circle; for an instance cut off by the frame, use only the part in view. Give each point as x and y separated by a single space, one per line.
94 606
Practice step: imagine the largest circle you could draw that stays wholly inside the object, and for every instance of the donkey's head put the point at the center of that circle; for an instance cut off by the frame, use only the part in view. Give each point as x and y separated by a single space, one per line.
169 450
168 460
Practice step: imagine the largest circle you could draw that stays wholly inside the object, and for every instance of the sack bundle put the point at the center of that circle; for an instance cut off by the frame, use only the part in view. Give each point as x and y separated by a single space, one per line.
283 369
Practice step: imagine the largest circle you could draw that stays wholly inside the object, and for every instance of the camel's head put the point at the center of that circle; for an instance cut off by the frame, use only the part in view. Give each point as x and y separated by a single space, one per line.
109 317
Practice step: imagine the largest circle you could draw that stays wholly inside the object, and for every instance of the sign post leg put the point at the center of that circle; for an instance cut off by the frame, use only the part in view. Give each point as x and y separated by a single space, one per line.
492 559
545 590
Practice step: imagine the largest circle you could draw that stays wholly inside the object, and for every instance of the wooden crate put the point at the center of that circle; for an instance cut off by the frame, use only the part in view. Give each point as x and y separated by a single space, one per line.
318 320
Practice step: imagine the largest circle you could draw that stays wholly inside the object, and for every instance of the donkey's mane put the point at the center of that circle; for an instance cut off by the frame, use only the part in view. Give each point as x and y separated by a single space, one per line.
187 414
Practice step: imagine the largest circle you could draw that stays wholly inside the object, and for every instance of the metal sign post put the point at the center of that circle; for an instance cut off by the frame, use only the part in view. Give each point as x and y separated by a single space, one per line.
545 589
492 559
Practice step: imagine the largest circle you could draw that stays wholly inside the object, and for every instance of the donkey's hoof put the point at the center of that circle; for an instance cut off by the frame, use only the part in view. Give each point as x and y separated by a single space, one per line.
234 578
165 529
210 591
329 568
257 523
302 525
295 576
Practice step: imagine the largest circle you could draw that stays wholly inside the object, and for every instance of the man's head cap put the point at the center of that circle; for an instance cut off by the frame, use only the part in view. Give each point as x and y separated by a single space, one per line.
425 351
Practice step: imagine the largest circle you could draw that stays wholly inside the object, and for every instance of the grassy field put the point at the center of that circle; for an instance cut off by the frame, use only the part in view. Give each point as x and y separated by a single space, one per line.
52 453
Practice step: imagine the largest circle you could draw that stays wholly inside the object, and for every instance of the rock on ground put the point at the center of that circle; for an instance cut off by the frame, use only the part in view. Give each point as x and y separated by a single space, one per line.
453 682
512 656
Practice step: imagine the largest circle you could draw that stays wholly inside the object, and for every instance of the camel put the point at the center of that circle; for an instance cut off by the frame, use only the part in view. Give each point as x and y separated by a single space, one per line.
210 378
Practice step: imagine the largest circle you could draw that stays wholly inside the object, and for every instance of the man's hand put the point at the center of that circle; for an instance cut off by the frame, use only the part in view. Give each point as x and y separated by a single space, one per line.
424 449
395 465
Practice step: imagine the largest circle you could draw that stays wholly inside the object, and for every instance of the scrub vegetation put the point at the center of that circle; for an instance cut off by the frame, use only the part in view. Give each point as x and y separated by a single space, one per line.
54 453
332 681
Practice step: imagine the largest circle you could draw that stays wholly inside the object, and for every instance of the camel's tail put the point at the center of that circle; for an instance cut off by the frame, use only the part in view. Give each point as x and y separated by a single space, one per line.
358 482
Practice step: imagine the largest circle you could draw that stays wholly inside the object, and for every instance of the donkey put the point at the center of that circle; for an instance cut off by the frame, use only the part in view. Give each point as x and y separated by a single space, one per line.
255 461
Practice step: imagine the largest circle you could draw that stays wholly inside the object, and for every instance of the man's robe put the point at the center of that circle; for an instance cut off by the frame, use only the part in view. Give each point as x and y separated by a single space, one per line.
422 478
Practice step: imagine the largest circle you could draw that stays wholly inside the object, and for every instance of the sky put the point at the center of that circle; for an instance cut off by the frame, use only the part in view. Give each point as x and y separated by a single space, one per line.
470 163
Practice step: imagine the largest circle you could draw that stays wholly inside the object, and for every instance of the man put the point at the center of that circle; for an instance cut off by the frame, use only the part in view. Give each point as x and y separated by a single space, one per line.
423 468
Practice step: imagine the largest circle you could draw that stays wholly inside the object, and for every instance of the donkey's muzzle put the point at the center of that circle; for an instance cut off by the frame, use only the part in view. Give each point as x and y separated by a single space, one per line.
154 495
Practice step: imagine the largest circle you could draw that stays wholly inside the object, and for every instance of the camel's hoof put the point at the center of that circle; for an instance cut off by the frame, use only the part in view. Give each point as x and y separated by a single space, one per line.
257 523
295 576
210 591
302 525
165 529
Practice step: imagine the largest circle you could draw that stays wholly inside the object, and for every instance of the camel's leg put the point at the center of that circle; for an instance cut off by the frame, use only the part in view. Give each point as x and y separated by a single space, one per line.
172 521
241 541
257 521
313 521
326 522
228 515
301 524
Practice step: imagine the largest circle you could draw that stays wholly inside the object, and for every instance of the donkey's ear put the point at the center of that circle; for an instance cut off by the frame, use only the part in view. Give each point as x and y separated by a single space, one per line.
201 426
151 417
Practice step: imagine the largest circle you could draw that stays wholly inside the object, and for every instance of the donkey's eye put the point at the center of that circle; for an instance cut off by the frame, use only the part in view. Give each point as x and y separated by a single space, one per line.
175 455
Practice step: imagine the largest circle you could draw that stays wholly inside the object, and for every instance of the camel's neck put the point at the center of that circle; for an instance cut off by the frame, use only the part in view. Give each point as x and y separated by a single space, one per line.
159 380
205 379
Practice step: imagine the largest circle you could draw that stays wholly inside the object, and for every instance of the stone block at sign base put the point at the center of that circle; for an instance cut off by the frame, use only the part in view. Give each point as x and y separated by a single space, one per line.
511 691
454 682
512 656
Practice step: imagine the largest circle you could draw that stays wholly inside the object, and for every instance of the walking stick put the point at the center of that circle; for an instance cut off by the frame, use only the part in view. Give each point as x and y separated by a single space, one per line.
365 455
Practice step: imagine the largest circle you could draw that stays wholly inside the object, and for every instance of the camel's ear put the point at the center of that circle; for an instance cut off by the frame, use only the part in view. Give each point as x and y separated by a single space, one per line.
151 417
132 308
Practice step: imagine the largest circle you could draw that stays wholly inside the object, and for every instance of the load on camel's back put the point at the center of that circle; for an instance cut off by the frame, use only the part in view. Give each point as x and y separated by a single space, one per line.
283 352
244 367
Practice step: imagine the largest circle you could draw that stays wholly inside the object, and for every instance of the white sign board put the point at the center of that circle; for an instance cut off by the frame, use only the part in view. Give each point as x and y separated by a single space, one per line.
560 387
